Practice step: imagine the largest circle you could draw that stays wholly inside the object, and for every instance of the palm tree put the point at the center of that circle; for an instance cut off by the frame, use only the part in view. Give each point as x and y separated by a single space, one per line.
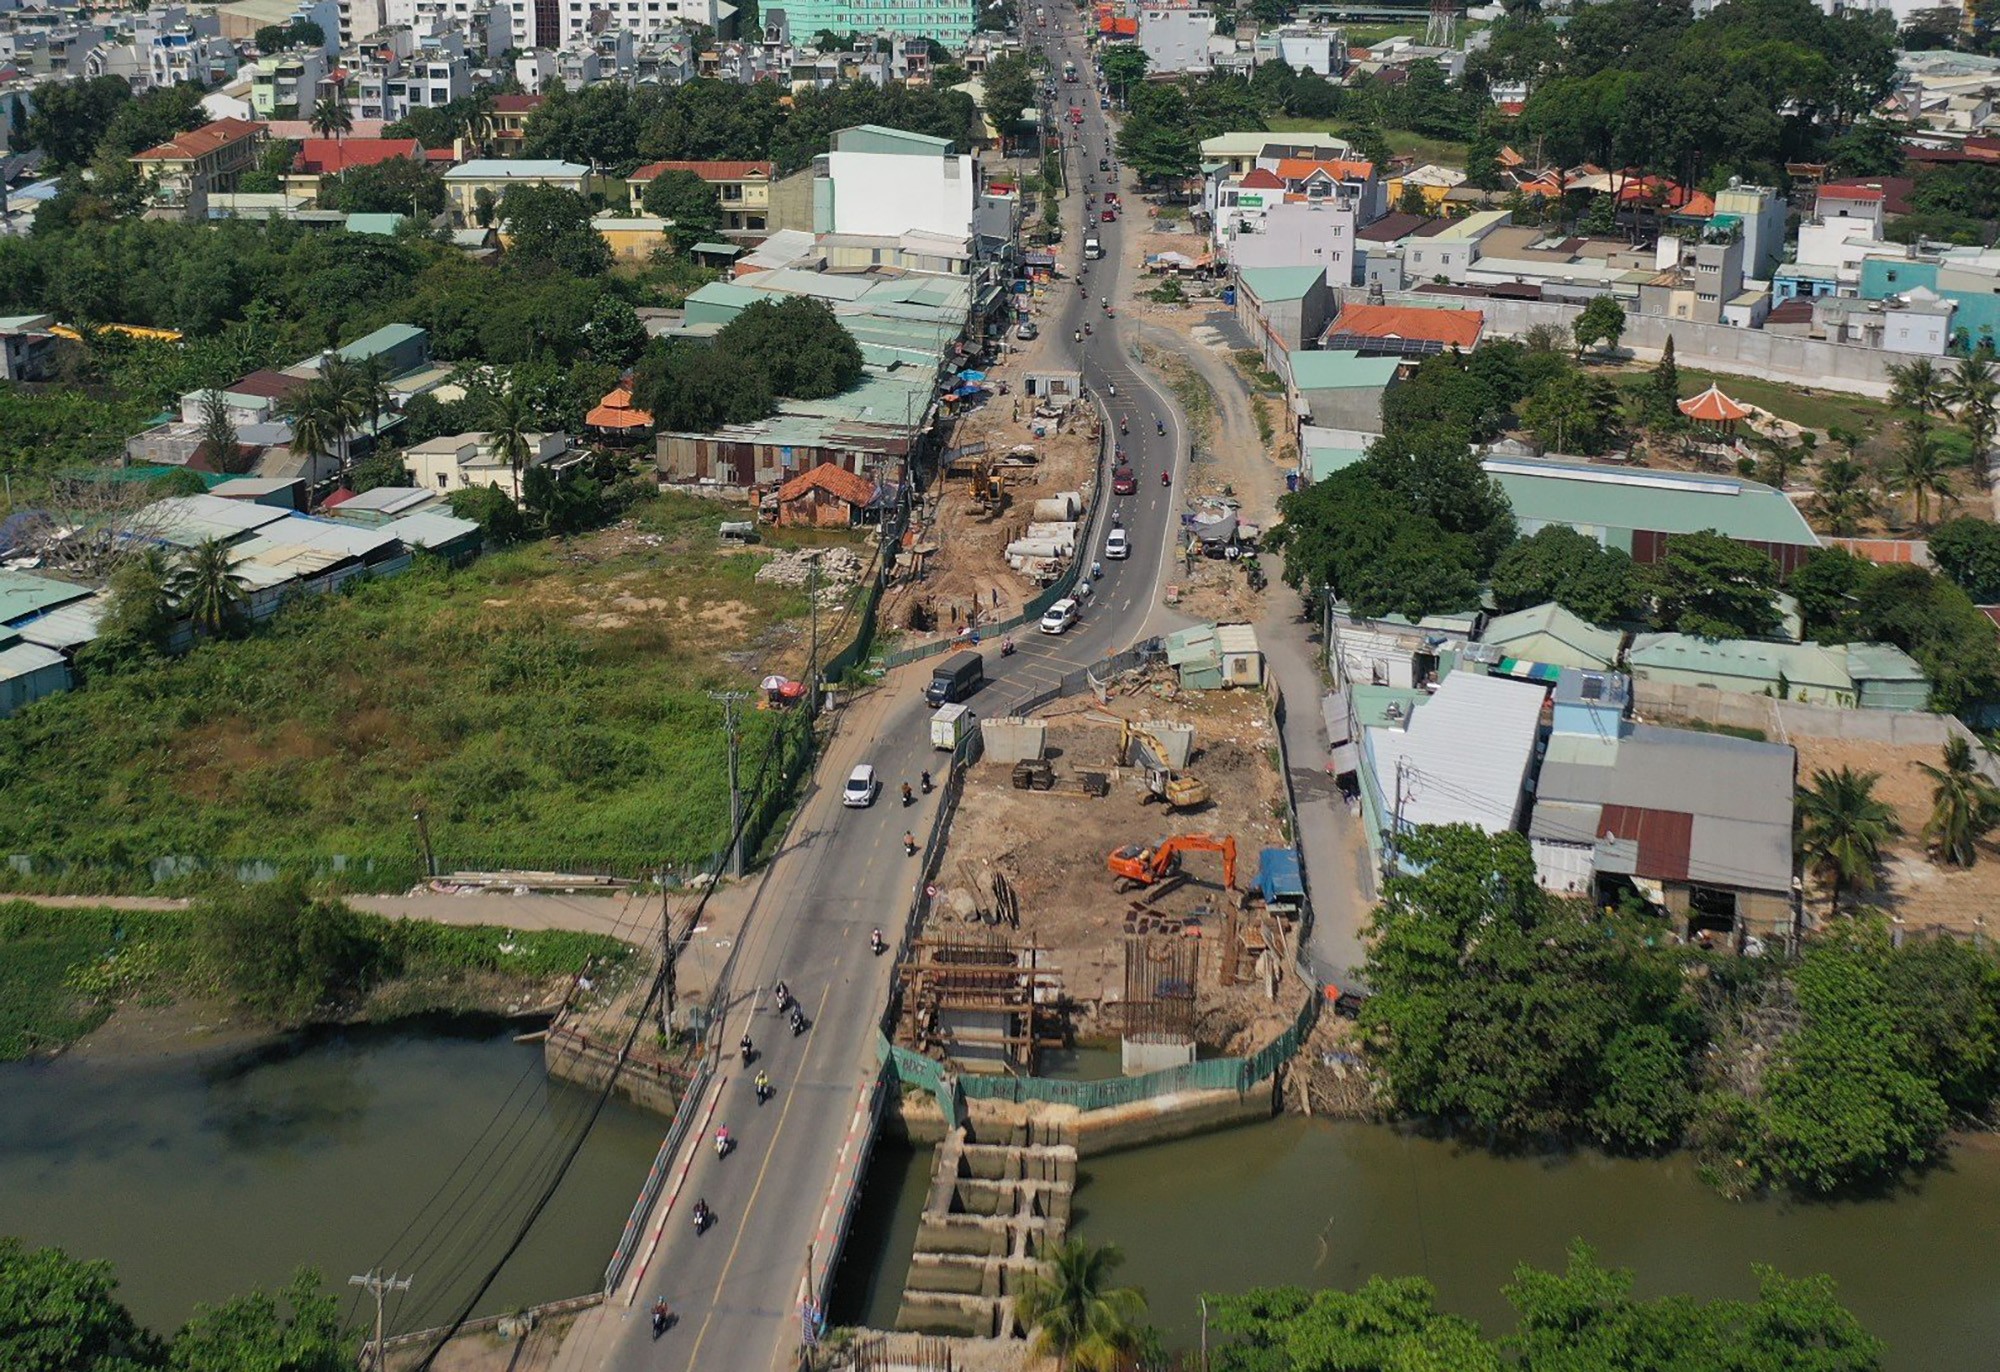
208 587
371 392
1842 828
1920 470
313 431
141 599
1916 385
343 393
1074 1311
1841 493
508 424
1975 390
330 118
1964 804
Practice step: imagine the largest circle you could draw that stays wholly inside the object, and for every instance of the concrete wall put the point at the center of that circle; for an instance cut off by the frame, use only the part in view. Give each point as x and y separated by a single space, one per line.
1010 740
887 193
917 1118
1713 347
1670 703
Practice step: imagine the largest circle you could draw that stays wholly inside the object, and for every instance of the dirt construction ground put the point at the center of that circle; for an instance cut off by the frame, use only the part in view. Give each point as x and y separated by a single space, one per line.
1916 891
1052 846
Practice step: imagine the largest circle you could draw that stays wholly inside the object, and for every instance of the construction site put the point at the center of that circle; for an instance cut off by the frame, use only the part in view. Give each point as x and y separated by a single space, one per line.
1017 473
1100 888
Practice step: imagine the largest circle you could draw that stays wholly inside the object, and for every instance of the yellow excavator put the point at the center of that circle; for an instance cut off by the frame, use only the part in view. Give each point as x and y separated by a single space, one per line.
1141 864
989 484
1178 790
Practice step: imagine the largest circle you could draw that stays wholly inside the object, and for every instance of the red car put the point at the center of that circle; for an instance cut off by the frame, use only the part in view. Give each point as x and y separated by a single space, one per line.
1123 482
1111 199
1111 216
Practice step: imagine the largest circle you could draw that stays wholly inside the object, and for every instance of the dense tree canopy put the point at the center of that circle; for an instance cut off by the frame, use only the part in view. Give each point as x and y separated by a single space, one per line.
795 348
1601 584
688 201
1846 599
1715 587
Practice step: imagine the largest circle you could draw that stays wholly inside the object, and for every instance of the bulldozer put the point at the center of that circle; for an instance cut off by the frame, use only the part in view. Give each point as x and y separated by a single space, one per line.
1179 790
1139 864
989 484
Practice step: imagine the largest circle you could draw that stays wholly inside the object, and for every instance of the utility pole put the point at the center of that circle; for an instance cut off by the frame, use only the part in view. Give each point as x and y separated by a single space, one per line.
1395 827
378 1286
668 987
729 699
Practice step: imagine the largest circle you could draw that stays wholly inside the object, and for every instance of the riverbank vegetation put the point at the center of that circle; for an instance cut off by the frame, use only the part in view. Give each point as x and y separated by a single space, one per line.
279 952
1524 1021
543 707
62 1314
1582 1317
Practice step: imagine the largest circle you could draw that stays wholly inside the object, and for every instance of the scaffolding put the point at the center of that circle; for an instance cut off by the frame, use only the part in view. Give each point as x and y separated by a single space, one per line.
980 1000
1160 976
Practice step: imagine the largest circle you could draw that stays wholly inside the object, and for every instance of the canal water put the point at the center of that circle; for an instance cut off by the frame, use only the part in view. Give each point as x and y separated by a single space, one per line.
200 1180
1317 1204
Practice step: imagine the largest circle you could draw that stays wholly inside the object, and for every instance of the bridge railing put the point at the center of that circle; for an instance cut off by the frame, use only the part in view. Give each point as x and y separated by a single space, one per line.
628 1242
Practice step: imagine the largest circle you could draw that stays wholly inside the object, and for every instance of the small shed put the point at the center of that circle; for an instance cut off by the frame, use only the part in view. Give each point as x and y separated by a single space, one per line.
826 496
1886 678
1053 383
1242 659
28 672
1196 657
1549 633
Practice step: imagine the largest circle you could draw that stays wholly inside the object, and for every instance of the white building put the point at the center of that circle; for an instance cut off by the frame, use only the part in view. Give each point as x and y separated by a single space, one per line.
1314 48
1289 233
890 182
1175 38
459 461
1461 757
562 23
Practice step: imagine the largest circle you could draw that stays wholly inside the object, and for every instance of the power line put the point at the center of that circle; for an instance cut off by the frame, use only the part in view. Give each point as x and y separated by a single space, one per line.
376 1284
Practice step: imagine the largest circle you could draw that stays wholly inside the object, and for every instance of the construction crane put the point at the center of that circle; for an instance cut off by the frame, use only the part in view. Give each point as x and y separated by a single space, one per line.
1178 790
1139 864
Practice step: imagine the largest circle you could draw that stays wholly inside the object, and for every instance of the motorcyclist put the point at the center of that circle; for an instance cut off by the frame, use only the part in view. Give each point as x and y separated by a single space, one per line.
722 1141
909 842
1159 425
763 1085
746 1048
875 943
908 796
1121 424
784 994
926 783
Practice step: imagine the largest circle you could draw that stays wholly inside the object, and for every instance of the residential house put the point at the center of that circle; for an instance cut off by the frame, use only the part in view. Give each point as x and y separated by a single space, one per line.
631 238
1876 676
742 188
321 157
826 496
27 347
1176 38
184 171
1403 331
1339 389
1312 47
1553 635
460 461
1431 181
1282 309
507 121
1698 823
1237 154
28 673
471 187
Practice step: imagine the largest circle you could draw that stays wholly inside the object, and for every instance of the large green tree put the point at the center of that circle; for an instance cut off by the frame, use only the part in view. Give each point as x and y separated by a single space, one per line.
296 1329
688 201
1967 550
59 1314
1601 584
549 227
1715 587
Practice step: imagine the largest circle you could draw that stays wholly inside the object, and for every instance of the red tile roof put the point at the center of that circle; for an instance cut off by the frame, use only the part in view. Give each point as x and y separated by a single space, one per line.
266 383
324 156
1261 180
1896 190
1867 195
707 171
517 104
1454 328
1300 168
616 411
208 138
836 481
1795 311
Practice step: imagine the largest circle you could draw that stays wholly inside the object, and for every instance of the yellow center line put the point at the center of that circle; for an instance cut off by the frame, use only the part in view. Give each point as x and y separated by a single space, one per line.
743 1221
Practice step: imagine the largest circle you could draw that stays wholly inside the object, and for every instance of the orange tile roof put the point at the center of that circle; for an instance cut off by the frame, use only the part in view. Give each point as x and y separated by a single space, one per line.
1299 168
1260 179
208 138
616 411
707 171
1712 407
835 480
1454 328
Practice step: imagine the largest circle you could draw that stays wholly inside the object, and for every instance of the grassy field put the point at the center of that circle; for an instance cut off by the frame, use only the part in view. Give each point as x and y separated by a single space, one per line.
63 969
1402 142
543 707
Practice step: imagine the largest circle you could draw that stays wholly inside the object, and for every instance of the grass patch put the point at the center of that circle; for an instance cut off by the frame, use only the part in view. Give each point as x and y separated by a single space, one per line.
1795 404
544 707
1402 142
1196 400
1251 363
63 969
1260 406
1742 731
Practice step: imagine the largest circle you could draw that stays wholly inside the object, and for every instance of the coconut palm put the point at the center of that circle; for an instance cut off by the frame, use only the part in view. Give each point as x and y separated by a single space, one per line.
330 118
1074 1311
1917 385
1841 493
508 424
313 428
372 388
208 587
1974 391
140 603
1964 804
343 395
1842 828
1920 470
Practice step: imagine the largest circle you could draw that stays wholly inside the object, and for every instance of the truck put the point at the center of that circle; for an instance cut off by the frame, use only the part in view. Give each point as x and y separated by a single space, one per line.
1069 71
960 675
949 725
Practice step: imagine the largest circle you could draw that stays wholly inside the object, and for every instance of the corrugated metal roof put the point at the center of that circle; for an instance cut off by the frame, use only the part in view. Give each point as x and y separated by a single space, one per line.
1464 753
24 658
1236 638
26 594
1753 660
389 499
1281 283
190 519
68 626
1340 370
1591 497
1599 646
1882 662
429 529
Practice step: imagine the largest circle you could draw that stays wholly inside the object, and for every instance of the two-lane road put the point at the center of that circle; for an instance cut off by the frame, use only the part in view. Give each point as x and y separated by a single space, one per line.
842 873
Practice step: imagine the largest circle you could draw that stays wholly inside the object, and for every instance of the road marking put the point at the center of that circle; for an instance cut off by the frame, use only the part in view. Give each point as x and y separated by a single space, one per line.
743 1222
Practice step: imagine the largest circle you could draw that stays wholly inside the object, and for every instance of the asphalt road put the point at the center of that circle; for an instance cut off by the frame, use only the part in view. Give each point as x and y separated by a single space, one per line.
736 1288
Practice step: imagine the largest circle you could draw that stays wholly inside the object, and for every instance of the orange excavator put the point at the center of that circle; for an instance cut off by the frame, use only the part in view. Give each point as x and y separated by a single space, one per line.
1139 864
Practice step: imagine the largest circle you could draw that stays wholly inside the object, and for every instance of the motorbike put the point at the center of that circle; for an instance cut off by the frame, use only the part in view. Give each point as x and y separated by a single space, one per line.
909 798
724 1143
1086 330
1159 426
876 945
798 1022
763 1087
1006 647
910 844
1121 425
1166 478
748 1050
702 1215
784 996
662 1317
1078 336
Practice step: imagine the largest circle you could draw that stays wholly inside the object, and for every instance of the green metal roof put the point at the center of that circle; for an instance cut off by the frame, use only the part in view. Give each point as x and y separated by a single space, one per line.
1562 625
1341 370
1597 499
1882 662
880 138
383 224
381 341
1281 283
24 593
1801 664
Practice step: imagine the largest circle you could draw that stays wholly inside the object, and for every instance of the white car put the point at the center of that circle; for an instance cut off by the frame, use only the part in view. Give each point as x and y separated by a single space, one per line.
859 793
1116 545
1059 617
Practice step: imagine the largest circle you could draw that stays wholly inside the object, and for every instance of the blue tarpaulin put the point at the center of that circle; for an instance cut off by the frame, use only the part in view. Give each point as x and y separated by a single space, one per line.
1278 877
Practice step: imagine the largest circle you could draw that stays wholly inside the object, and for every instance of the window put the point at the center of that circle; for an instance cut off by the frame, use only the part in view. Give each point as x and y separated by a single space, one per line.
444 480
